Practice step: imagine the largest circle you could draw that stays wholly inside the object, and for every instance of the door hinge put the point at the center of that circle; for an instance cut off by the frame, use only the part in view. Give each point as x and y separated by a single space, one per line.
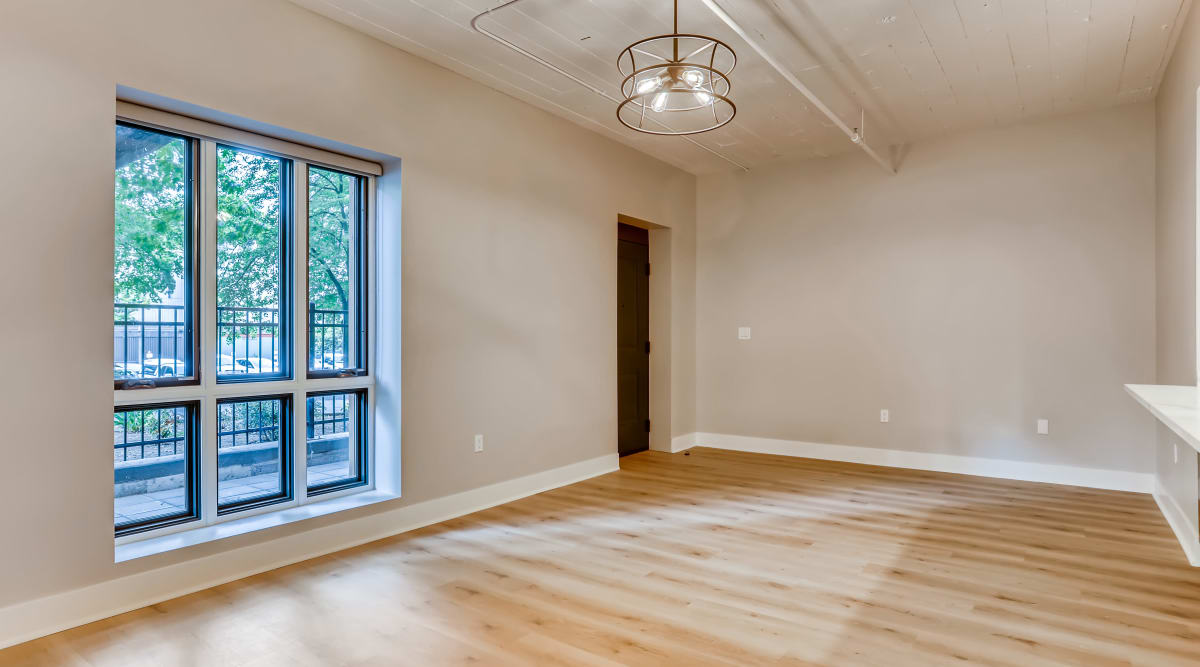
647 347
647 425
647 268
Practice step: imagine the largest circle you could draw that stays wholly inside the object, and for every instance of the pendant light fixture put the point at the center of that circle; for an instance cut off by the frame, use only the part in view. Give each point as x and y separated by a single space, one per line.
676 84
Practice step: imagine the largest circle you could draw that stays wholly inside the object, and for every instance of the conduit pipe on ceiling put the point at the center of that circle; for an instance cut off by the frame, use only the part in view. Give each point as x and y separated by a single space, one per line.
555 68
852 135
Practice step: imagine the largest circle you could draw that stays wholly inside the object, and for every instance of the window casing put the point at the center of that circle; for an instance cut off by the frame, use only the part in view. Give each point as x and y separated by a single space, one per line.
280 326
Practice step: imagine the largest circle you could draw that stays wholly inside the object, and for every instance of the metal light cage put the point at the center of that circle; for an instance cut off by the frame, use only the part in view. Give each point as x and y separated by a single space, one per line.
680 74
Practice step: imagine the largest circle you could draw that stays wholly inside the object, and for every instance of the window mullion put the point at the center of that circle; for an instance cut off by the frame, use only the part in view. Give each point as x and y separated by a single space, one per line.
208 340
300 332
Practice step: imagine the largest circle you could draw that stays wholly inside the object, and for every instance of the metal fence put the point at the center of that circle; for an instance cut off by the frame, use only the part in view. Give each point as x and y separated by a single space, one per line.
327 340
158 432
251 336
148 434
150 340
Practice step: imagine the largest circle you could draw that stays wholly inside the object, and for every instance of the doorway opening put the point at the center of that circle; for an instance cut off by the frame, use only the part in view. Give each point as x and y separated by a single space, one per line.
633 339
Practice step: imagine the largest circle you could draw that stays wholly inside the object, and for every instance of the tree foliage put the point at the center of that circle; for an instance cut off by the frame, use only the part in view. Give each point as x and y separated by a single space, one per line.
150 231
249 188
150 206
330 216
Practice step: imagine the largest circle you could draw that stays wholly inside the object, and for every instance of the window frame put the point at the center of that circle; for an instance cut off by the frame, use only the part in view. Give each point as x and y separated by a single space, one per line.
193 320
207 389
286 455
192 475
361 444
359 266
287 275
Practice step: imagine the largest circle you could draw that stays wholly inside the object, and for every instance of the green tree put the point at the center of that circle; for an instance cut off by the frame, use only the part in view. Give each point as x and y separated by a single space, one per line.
150 209
150 203
248 229
330 216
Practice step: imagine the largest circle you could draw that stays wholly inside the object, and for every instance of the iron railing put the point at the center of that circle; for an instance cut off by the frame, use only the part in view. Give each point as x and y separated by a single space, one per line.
159 432
244 331
151 341
328 346
155 433
247 422
327 414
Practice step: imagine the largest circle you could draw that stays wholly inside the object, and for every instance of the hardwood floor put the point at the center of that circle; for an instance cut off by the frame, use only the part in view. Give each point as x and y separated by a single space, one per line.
713 558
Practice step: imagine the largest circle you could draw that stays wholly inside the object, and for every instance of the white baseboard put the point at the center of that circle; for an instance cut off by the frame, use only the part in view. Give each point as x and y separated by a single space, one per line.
36 618
1118 480
682 442
1185 532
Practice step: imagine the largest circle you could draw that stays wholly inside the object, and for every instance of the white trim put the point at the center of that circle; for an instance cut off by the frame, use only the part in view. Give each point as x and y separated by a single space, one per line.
1185 532
1097 478
678 444
36 618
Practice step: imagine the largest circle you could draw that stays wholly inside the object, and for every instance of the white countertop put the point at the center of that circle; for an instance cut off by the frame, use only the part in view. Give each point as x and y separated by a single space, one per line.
1177 407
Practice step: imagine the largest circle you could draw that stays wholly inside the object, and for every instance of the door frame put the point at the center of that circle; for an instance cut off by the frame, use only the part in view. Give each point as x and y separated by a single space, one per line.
660 238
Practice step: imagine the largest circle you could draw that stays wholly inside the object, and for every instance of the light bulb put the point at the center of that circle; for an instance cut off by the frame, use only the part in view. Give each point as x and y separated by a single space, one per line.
660 102
693 77
703 98
646 85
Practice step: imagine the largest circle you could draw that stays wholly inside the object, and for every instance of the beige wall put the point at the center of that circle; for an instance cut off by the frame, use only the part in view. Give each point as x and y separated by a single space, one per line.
1176 251
509 255
1002 276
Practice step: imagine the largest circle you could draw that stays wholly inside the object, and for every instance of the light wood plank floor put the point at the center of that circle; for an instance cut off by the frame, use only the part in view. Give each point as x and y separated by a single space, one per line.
713 558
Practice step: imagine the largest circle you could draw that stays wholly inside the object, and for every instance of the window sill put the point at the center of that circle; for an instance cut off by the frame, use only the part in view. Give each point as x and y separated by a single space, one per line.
202 534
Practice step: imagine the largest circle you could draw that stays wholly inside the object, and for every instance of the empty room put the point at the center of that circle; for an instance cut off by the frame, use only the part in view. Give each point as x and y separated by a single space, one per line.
599 332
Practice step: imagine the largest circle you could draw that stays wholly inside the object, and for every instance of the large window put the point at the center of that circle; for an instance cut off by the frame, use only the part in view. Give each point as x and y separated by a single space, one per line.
224 356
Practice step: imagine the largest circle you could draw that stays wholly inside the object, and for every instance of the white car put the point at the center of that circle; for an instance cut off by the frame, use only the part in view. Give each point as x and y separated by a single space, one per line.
227 365
127 370
163 367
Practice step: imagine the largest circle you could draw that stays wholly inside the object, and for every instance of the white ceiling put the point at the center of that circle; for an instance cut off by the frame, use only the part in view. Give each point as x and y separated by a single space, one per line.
917 68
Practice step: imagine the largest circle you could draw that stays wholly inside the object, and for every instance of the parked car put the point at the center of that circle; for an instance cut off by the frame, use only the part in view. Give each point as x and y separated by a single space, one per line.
332 360
163 367
228 365
126 371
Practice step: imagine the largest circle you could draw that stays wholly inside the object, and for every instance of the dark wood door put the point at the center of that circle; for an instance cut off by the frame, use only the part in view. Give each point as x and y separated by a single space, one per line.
633 340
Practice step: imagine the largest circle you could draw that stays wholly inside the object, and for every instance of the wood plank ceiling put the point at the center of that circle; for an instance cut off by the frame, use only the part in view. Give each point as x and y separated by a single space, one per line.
915 68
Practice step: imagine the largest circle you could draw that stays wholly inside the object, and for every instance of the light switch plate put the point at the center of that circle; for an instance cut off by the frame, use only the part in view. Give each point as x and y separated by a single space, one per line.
743 333
1043 427
479 443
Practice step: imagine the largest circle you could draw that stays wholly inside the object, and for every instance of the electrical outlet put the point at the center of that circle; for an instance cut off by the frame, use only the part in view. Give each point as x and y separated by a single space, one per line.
884 416
478 443
1043 427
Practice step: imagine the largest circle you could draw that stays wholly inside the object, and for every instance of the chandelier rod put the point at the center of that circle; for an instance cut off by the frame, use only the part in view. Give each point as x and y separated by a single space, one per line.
558 70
